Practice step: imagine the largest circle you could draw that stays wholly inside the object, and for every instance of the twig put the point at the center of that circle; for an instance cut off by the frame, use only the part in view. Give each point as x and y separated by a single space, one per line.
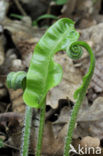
20 8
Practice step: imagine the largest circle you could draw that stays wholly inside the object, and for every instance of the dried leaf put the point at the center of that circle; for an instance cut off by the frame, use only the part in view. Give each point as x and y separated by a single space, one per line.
97 80
90 142
71 81
90 122
17 101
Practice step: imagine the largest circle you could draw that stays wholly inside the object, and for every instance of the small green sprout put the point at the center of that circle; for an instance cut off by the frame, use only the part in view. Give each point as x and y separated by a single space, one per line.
35 22
44 73
16 16
45 16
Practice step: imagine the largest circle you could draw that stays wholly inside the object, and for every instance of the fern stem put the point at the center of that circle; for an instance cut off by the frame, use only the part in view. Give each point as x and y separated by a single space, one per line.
26 132
80 97
72 126
41 129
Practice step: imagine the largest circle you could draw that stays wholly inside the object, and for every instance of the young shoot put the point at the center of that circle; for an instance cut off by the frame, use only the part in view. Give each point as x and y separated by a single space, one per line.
44 73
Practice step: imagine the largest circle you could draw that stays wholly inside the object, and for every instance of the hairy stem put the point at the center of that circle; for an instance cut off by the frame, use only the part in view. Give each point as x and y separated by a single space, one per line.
80 97
26 132
41 129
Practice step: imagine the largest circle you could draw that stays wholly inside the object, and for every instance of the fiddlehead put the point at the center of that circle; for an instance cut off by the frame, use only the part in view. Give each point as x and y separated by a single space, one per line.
16 80
88 76
80 92
74 51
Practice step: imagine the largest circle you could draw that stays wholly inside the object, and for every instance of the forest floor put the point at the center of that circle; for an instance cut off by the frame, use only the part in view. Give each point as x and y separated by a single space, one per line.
22 24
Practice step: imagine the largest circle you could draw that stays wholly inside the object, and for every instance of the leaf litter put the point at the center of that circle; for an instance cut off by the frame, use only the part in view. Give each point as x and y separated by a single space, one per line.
89 124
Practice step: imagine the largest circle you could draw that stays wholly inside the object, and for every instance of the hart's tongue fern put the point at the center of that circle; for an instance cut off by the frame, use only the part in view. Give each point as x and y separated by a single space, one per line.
44 73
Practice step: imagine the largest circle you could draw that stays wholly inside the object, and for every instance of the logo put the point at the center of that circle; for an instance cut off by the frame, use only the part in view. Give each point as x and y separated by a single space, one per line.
85 150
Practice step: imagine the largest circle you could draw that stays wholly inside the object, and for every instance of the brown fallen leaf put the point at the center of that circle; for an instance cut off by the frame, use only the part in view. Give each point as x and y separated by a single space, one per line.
88 146
70 82
98 76
90 122
52 145
90 142
17 100
26 49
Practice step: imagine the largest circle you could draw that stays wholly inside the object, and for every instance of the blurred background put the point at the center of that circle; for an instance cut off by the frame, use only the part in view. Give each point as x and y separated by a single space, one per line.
22 24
